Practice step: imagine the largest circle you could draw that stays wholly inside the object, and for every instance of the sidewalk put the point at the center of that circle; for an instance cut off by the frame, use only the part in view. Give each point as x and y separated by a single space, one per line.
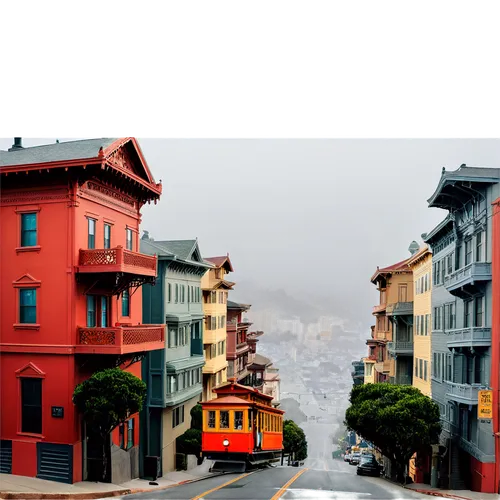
17 487
458 494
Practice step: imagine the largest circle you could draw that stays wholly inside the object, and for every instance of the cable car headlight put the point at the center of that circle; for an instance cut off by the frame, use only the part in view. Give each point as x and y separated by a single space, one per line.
225 442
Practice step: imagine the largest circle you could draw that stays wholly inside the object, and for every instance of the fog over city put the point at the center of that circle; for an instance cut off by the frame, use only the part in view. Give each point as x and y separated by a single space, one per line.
305 223
312 218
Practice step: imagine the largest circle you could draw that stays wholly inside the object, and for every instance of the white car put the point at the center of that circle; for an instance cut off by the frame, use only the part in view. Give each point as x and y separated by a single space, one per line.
355 458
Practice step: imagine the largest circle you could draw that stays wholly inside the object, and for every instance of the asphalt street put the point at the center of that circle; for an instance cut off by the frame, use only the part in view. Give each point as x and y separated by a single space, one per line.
337 481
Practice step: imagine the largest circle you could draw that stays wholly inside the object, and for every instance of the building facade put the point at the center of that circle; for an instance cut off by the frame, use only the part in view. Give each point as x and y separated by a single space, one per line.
215 290
173 374
462 323
71 278
264 377
358 372
239 352
394 322
373 364
495 337
421 266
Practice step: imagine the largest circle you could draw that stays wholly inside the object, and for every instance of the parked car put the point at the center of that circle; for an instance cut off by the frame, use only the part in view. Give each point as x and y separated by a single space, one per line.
354 460
347 457
368 466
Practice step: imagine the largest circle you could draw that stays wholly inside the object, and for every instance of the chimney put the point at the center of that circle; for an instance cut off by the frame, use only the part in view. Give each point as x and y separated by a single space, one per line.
18 144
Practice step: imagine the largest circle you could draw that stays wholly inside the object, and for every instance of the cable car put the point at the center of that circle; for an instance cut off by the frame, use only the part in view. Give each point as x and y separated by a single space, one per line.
241 428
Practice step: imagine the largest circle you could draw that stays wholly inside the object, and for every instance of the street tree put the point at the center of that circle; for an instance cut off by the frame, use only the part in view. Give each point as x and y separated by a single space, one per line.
107 399
398 419
196 417
189 443
294 440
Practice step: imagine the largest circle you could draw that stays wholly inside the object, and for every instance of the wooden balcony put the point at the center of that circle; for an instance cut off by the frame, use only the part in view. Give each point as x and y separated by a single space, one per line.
474 336
117 260
378 309
383 366
400 309
120 339
400 347
382 335
463 393
464 281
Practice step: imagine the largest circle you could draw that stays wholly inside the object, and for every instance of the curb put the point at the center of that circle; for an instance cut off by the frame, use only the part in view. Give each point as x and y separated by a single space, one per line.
437 493
161 488
5 495
62 496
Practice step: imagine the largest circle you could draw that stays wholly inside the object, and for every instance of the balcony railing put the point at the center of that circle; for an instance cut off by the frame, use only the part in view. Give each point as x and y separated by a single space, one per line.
400 309
463 393
404 379
116 259
382 366
379 335
475 271
120 339
379 308
400 347
474 336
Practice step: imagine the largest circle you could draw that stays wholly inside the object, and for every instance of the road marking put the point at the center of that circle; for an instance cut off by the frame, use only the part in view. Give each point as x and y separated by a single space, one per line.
221 486
297 491
334 470
285 487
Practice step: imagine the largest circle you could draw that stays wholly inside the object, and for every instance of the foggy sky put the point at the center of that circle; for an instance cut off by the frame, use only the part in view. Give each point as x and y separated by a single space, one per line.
303 215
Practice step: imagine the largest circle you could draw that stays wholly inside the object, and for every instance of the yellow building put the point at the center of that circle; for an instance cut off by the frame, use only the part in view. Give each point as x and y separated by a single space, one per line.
421 265
215 290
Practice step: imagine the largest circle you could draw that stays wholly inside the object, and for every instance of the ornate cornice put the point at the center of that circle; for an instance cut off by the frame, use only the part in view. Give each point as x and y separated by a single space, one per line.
28 197
109 192
109 196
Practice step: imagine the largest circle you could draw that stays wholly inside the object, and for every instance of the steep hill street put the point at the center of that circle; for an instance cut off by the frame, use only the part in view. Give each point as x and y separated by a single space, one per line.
287 483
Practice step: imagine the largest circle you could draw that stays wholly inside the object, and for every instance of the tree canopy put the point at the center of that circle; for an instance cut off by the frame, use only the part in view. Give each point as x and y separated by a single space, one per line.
398 419
108 398
189 443
294 440
196 417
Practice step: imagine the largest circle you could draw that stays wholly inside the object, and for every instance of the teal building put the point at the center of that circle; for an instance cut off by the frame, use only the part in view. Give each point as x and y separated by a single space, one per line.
173 375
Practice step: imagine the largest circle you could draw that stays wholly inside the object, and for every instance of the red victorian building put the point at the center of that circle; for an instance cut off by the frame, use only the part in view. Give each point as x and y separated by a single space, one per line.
71 302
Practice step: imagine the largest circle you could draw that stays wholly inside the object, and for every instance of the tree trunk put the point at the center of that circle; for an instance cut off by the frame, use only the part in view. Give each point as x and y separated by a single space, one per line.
398 469
105 443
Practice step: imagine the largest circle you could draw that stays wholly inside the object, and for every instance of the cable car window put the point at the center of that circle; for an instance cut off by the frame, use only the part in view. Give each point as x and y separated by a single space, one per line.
238 420
249 419
224 419
211 419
